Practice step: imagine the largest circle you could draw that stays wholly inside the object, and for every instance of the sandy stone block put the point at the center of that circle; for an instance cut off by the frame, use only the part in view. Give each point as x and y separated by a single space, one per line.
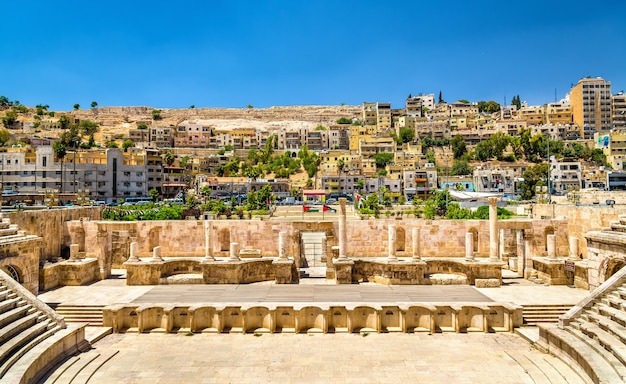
487 283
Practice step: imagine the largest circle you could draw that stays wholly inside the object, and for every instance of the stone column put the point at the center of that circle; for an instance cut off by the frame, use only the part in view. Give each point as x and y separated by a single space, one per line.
134 249
343 236
282 246
234 252
156 254
415 232
73 252
551 239
519 240
469 246
573 247
501 244
391 246
528 269
493 232
208 254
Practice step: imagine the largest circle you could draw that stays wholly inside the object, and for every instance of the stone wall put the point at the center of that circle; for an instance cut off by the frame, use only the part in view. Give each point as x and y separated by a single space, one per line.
51 224
580 219
23 256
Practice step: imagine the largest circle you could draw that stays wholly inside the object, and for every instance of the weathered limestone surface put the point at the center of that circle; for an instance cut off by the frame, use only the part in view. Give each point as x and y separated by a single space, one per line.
24 256
68 273
421 317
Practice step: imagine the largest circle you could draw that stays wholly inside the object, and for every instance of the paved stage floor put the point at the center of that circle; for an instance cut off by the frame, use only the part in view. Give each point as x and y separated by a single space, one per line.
502 358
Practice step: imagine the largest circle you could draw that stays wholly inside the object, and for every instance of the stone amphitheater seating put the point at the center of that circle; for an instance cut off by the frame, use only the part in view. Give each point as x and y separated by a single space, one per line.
33 338
592 335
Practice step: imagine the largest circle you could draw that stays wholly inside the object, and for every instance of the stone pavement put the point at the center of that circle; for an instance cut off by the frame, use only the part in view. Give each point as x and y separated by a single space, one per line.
322 358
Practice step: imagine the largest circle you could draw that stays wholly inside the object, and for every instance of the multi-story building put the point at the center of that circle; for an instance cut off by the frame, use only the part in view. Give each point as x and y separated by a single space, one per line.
370 147
534 115
565 176
591 106
162 137
193 135
383 115
139 135
339 137
419 182
495 180
369 113
557 113
618 111
613 144
463 109
414 107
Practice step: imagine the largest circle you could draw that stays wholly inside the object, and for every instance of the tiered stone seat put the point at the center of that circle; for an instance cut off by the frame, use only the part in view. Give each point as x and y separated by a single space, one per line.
33 338
592 335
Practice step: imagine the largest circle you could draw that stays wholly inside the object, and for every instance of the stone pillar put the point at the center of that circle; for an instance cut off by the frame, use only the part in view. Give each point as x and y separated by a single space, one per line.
282 246
573 247
234 252
156 254
343 236
551 239
469 246
73 252
519 241
528 269
134 249
493 232
391 246
501 244
208 252
415 232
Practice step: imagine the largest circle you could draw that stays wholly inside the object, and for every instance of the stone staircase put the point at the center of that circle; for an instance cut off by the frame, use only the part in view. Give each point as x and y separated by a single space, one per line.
592 335
90 314
543 313
33 338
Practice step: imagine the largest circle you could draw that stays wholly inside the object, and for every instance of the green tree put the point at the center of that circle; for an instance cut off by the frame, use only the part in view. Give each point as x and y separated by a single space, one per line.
5 136
64 121
461 167
88 127
488 106
154 194
344 120
440 99
517 102
464 101
127 144
94 104
142 126
76 107
459 147
156 114
406 135
382 159
535 175
169 158
112 144
205 192
183 161
9 119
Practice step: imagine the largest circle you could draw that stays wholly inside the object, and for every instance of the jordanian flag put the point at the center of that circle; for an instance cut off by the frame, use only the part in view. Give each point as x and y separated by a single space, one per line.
306 208
329 209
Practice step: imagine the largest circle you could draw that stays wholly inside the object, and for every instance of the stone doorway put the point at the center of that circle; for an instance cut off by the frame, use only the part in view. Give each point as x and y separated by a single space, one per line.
312 254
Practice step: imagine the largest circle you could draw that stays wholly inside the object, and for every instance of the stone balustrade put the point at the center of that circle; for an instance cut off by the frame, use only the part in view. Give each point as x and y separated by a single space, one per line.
271 318
236 271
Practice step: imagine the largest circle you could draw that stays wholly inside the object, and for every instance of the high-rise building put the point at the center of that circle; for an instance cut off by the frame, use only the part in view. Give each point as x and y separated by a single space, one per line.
591 105
618 111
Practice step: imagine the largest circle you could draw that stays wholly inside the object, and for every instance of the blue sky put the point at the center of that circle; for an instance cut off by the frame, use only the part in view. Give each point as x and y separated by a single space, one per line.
264 53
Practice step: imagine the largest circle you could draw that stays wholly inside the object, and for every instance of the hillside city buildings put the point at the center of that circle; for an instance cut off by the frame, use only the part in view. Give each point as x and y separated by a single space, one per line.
590 114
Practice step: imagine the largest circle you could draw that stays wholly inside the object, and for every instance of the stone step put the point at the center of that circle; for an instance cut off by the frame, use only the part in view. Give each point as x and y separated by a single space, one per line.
604 363
8 304
91 314
614 314
7 332
8 231
80 368
608 325
21 340
11 315
606 340
543 313
542 371
614 300
15 357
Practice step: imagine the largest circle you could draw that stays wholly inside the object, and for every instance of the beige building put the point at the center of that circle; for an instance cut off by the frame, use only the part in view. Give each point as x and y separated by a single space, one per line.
591 106
613 144
383 115
618 111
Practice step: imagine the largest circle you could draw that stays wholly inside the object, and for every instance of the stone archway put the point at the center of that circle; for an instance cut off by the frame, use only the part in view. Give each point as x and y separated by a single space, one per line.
79 238
474 233
400 239
153 238
546 232
224 239
14 272
613 266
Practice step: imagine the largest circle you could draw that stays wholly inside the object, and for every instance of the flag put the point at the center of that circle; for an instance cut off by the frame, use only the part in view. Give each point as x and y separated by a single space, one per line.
329 209
306 208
